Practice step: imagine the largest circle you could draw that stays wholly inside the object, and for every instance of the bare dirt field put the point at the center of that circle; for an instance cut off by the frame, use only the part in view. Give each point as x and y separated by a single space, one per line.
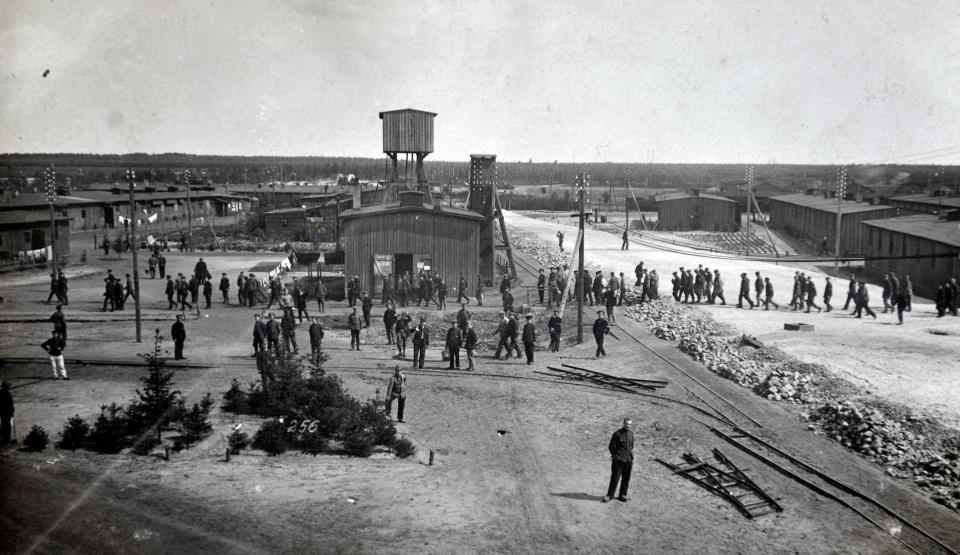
520 459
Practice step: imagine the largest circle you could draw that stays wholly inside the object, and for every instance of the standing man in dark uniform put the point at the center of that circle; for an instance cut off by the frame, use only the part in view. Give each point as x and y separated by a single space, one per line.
397 389
501 333
225 288
560 239
887 293
53 287
207 291
162 265
479 290
600 330
462 287
598 287
300 301
512 335
626 241
179 335
170 290
828 294
402 329
462 318
541 285
610 298
389 322
470 344
621 456
454 340
200 271
529 338
316 338
552 288
241 289
366 305
259 334
289 327
59 323
554 326
353 320
273 335
421 340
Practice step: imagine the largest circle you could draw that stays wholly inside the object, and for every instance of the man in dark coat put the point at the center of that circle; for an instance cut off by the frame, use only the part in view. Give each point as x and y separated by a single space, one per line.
503 336
366 305
453 343
541 285
207 291
621 457
811 291
554 326
863 301
529 338
828 294
402 330
610 301
389 323
478 292
289 328
441 294
560 240
598 287
59 323
316 338
170 290
900 301
275 291
600 330
300 301
759 285
355 325
626 241
768 299
62 288
513 333
193 285
259 334
162 265
179 335
718 287
421 340
462 318
6 413
851 292
397 389
225 288
53 288
200 271
273 335
242 289
886 294
462 287
744 291
470 344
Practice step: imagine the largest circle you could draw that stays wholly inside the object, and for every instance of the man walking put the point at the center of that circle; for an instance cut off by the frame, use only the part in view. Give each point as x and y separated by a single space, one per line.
470 344
621 457
744 291
811 290
179 335
600 330
170 290
259 334
529 338
355 325
863 301
851 292
397 389
54 347
768 290
462 289
626 241
828 294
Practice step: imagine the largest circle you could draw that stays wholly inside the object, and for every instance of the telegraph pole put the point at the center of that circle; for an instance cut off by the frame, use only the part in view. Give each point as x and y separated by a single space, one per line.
626 205
133 243
50 181
841 191
749 195
186 179
581 186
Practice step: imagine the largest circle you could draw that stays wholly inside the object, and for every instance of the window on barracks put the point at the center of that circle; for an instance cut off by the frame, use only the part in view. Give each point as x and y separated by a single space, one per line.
26 237
890 246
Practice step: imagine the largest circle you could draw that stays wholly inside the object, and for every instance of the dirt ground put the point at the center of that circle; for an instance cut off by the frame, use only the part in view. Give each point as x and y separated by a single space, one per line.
913 364
535 487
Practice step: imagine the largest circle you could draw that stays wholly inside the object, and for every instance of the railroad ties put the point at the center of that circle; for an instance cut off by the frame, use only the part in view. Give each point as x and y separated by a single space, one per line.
630 385
727 481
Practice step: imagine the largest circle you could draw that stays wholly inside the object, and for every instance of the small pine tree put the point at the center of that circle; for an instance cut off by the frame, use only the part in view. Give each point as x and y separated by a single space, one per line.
74 433
156 405
110 431
37 439
195 423
237 441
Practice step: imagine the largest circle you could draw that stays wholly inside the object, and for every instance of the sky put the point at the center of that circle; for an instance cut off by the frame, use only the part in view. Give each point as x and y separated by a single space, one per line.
633 81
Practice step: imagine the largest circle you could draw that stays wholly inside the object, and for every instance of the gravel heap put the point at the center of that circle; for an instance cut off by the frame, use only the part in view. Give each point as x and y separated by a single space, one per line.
783 385
547 256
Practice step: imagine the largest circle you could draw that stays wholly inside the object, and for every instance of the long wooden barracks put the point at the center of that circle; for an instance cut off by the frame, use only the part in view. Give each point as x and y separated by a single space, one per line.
405 231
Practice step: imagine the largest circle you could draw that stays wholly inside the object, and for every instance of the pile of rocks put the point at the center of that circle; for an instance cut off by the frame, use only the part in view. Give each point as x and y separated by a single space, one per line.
867 431
547 256
940 474
783 385
669 321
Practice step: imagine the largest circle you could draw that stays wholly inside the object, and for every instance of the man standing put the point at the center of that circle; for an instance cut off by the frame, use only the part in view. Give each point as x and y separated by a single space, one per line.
6 413
242 289
900 301
462 318
554 326
321 293
600 330
352 293
300 300
366 305
908 291
355 325
152 265
529 338
462 289
194 286
389 322
621 456
259 334
541 285
252 289
479 291
54 347
200 272
552 288
397 389
225 288
273 335
179 335
289 328
470 344
59 323
744 291
560 240
275 288
162 265
610 298
402 329
501 332
623 290
421 339
316 338
454 340
512 334
626 241
887 293
62 288
207 291
441 294
598 287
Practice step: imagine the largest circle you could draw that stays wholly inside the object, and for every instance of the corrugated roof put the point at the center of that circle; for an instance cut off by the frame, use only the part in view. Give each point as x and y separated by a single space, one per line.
949 202
817 202
26 200
378 209
678 196
925 226
20 217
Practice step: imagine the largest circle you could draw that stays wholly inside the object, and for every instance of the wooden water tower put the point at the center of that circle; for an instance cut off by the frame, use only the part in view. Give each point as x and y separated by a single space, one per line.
409 132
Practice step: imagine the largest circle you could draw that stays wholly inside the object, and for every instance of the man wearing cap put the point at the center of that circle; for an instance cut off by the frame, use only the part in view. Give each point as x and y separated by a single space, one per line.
389 322
366 305
316 338
501 332
462 318
600 330
529 338
454 341
402 330
744 291
241 289
718 288
273 334
541 284
179 335
170 290
513 333
462 289
828 294
554 326
225 288
289 327
54 347
470 344
421 340
259 334
397 389
353 320
621 457
59 323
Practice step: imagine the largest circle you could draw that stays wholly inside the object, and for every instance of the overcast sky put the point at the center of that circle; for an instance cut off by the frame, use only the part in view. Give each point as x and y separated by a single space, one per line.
675 81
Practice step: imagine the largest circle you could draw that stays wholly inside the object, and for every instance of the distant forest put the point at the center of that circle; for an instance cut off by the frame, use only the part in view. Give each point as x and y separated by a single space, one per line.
86 169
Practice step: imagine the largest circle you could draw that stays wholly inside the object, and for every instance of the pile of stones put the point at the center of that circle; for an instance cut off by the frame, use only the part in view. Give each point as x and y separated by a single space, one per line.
546 256
867 431
783 385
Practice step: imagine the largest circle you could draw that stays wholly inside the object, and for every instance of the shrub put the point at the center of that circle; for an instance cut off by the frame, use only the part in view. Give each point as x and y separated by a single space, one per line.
404 448
358 442
158 403
109 434
195 423
382 429
74 433
238 441
235 399
145 444
271 437
37 439
312 443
